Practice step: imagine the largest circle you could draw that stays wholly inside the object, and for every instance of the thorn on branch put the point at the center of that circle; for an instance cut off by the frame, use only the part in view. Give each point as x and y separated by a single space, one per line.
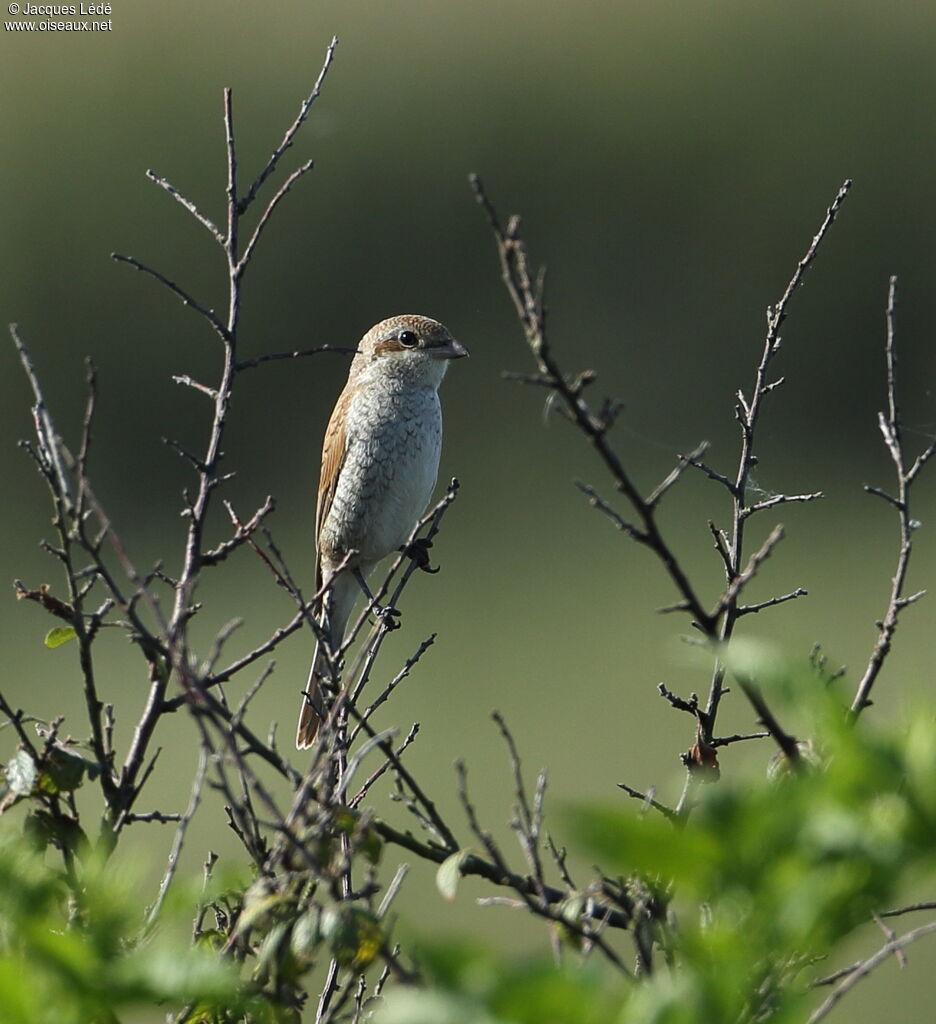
721 546
724 741
921 461
678 606
878 493
850 976
180 293
153 816
188 204
648 801
750 571
720 478
890 424
787 743
685 461
779 499
267 214
180 449
691 706
753 609
50 456
243 531
289 137
541 380
184 378
249 364
596 501
85 446
777 315
581 381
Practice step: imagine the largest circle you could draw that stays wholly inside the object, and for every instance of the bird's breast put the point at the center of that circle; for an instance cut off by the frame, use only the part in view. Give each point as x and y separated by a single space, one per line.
393 443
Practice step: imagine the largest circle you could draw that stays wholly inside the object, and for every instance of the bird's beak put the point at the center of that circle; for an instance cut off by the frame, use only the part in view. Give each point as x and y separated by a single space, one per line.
453 350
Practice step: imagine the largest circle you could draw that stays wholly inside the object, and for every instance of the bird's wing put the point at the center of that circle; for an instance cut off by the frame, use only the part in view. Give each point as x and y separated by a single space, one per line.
334 450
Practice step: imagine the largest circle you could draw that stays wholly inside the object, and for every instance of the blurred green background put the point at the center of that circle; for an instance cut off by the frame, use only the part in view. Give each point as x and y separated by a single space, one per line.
671 161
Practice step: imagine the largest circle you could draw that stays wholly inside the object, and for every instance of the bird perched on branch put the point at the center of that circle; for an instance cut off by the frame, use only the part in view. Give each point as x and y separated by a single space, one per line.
380 460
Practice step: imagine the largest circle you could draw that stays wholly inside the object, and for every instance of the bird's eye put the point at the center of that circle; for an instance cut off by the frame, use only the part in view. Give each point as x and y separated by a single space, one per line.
407 339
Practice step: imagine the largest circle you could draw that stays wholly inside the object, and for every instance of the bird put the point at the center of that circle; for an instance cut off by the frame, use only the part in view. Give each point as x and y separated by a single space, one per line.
380 460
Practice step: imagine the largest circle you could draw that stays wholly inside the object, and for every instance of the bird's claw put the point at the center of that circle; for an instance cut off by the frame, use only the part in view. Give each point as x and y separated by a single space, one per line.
418 550
387 615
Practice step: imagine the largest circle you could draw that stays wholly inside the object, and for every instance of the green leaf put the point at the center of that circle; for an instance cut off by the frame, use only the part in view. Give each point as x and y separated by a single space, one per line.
354 935
449 873
305 934
42 828
272 947
21 773
258 902
58 636
65 771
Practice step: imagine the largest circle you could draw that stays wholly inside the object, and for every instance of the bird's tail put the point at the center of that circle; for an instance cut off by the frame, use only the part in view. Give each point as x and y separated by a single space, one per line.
338 605
312 711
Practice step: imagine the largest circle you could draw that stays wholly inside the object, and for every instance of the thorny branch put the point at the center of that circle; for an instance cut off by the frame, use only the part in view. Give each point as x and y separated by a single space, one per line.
231 753
313 849
892 431
309 852
717 622
850 976
527 295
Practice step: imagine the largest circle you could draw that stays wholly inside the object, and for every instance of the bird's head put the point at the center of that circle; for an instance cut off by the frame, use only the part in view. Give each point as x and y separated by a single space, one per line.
410 348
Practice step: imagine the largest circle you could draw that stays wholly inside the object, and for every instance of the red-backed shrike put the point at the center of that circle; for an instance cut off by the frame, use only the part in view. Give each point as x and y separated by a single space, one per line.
380 460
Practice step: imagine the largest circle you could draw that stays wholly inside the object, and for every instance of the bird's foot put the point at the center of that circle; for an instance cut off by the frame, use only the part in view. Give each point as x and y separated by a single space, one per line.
418 550
387 616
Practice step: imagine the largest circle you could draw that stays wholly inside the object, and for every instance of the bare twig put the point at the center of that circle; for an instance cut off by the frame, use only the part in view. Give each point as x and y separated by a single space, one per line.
692 459
249 364
780 499
766 718
243 531
187 381
911 908
526 293
855 973
268 212
742 578
179 841
382 770
716 624
648 800
181 293
382 697
188 204
892 430
291 131
748 413
533 892
752 609
725 741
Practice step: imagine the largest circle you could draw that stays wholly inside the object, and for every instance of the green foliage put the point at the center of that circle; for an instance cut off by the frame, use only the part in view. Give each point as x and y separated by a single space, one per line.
41 778
449 874
58 636
70 954
474 985
765 879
